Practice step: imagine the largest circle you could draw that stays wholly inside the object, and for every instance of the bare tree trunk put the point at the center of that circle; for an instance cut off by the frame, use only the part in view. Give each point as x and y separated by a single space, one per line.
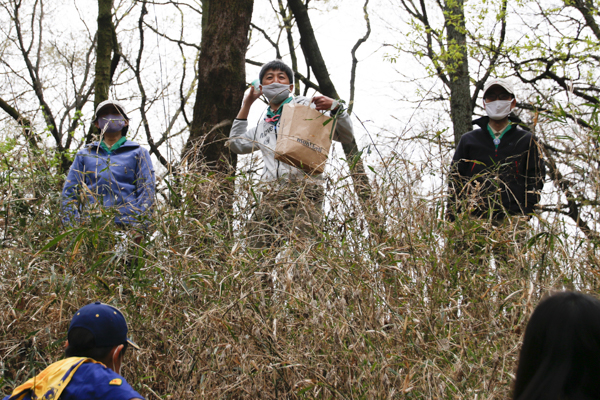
457 66
311 50
106 44
355 60
221 86
221 82
104 49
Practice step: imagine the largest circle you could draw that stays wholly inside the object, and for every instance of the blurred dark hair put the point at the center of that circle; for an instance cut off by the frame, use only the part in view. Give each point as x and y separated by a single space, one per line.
276 65
560 357
83 344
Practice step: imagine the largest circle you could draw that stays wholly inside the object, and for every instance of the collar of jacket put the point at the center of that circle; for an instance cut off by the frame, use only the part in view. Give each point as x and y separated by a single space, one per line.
516 121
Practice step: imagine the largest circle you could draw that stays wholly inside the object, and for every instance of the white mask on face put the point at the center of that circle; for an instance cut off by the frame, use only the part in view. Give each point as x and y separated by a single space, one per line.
276 93
498 109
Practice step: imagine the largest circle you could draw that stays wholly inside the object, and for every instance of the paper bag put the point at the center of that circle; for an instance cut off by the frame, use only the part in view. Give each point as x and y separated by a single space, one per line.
304 138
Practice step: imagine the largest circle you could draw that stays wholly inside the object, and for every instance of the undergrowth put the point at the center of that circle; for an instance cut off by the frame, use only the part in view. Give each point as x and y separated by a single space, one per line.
426 309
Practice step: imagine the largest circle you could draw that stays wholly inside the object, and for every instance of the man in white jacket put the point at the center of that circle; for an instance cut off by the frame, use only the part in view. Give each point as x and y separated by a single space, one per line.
291 202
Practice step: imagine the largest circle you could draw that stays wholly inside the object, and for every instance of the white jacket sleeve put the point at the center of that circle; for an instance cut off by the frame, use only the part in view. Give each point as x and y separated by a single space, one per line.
344 131
241 139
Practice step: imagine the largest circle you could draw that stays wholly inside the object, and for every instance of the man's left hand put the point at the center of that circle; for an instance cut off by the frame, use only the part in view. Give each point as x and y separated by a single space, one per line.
322 103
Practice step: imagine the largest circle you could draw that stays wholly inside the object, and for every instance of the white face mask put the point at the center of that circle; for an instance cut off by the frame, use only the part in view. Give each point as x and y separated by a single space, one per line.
276 93
498 109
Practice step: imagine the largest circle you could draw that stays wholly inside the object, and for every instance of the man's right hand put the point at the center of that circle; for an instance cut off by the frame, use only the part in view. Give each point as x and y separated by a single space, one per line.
250 98
252 95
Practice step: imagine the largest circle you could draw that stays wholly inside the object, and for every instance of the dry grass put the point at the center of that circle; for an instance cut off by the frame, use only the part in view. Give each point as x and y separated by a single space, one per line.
416 313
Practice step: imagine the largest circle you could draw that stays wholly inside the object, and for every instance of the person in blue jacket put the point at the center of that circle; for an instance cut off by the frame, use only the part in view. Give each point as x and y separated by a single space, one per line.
96 346
112 173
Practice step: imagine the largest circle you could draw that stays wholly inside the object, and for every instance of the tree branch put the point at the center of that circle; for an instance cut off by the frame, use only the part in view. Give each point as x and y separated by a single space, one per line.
495 50
588 14
275 45
530 107
565 185
21 120
179 41
287 24
355 60
137 70
35 80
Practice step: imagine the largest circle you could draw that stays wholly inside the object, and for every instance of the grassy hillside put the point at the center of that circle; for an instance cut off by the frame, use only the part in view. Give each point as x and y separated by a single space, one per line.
420 311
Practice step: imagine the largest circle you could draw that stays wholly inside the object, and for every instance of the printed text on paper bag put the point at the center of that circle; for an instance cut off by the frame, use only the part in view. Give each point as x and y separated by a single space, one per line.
310 145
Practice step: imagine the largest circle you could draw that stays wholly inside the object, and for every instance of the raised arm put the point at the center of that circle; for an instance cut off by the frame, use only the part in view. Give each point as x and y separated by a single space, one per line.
249 99
241 139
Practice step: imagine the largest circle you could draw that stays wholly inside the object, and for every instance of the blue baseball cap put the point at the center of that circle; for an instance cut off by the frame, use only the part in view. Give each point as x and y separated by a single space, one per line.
105 322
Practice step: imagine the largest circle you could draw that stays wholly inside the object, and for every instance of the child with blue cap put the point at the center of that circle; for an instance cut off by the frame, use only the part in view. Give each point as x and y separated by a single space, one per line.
97 341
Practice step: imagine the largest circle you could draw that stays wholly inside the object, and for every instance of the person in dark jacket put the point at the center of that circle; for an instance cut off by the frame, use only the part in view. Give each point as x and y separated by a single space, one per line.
497 169
113 173
495 180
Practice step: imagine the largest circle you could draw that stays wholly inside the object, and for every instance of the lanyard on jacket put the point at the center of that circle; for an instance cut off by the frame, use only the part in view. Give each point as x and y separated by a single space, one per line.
499 138
274 116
